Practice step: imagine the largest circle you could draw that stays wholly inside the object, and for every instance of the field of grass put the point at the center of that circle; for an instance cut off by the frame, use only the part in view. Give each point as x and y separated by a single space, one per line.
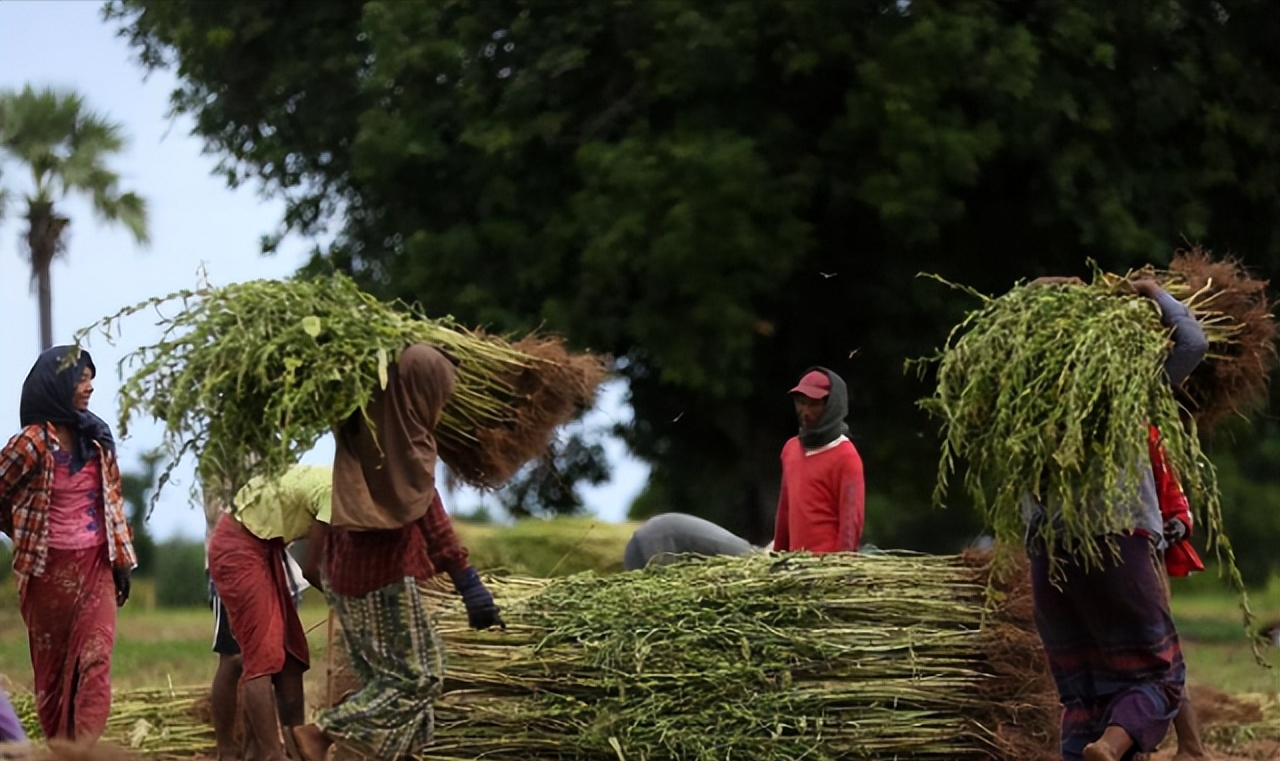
157 647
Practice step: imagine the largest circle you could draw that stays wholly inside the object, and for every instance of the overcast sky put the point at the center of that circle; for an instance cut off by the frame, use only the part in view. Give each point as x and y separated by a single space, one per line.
196 222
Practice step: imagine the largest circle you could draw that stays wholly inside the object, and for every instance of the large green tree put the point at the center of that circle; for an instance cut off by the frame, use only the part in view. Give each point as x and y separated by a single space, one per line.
66 147
721 194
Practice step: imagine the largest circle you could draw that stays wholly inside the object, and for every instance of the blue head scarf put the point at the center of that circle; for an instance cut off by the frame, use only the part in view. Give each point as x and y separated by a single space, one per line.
48 396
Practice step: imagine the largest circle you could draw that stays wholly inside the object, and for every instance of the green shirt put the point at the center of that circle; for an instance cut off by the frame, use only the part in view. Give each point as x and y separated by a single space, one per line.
285 508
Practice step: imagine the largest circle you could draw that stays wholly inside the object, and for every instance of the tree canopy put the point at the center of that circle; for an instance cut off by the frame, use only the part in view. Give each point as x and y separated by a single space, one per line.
723 194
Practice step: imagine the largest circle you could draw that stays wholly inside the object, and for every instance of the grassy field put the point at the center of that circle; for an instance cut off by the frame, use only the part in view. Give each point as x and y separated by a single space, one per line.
154 647
158 647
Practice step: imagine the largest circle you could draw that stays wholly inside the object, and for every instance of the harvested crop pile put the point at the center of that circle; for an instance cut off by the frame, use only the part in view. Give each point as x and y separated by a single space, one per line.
768 658
164 722
249 376
1048 390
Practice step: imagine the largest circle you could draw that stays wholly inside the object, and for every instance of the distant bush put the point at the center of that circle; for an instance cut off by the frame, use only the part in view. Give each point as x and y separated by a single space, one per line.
179 574
547 547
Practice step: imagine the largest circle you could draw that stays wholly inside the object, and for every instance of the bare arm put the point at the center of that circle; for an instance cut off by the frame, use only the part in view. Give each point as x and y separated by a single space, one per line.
315 553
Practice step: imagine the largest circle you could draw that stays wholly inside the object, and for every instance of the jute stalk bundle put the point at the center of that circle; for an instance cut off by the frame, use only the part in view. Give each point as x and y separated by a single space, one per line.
1048 390
249 376
1233 379
776 659
159 723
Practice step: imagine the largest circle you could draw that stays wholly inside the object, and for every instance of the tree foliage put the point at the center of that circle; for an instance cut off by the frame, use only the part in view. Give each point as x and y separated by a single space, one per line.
137 488
723 194
65 146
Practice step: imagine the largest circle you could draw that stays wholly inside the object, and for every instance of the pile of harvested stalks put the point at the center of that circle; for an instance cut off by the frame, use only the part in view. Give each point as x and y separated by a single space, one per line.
250 376
767 658
1048 390
776 659
166 722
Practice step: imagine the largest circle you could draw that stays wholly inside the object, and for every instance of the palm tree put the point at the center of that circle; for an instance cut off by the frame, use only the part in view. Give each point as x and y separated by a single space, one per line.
66 147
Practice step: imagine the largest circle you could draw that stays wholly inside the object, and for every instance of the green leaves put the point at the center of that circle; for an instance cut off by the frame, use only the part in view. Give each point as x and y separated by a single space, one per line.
725 193
1047 392
250 376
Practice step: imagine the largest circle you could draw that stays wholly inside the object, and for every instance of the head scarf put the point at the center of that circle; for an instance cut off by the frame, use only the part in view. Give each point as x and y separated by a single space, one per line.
384 477
831 425
48 396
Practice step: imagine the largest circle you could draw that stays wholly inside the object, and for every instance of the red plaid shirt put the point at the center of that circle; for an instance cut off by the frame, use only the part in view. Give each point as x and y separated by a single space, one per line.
360 562
26 485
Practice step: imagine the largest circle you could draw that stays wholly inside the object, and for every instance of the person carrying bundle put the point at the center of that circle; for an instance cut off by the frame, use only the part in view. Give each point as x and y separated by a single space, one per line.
250 571
1107 631
821 504
389 532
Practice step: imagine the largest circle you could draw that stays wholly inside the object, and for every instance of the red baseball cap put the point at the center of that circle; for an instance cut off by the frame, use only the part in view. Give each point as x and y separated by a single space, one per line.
815 384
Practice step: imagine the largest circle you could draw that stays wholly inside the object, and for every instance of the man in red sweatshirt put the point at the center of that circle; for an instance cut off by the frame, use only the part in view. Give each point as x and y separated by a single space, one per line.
821 506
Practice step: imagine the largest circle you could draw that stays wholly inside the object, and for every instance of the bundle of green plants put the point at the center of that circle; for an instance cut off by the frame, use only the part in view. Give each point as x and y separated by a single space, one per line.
249 376
159 723
776 658
1047 391
1238 314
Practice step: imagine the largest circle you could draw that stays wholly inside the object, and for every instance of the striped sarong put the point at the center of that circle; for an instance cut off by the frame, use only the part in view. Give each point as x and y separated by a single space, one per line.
397 657
1111 645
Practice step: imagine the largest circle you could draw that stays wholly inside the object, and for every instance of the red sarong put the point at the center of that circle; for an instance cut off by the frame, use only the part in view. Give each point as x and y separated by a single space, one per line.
70 613
248 574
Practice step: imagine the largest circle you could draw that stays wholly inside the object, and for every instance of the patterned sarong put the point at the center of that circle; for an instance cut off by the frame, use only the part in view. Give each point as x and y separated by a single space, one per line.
397 657
1111 645
70 613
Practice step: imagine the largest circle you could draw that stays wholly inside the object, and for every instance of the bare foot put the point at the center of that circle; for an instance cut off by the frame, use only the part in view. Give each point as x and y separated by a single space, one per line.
1099 751
313 744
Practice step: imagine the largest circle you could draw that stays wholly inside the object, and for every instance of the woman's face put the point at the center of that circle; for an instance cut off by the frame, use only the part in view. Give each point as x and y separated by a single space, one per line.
84 390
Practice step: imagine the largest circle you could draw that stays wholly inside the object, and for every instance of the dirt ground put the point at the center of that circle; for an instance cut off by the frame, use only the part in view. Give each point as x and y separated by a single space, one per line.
1224 721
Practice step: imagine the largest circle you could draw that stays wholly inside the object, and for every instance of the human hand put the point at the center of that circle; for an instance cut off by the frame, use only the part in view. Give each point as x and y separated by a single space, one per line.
1175 530
482 611
1146 287
121 578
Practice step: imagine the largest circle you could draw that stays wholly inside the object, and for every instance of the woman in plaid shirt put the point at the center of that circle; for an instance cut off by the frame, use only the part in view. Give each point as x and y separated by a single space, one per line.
60 502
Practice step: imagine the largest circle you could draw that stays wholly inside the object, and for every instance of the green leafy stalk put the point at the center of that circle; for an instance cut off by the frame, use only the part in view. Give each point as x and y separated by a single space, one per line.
1046 393
250 376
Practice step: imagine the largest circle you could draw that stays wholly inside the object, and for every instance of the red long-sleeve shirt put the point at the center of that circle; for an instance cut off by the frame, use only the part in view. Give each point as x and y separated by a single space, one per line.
821 507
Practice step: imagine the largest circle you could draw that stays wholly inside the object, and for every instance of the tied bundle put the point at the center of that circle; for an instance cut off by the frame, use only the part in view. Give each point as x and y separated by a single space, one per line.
1047 392
764 657
1236 312
171 722
251 375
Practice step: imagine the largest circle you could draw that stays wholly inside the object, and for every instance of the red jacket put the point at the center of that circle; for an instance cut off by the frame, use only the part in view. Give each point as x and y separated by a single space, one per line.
1180 559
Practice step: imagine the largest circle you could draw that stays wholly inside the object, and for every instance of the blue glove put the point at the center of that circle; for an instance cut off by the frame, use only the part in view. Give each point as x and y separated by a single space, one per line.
482 611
